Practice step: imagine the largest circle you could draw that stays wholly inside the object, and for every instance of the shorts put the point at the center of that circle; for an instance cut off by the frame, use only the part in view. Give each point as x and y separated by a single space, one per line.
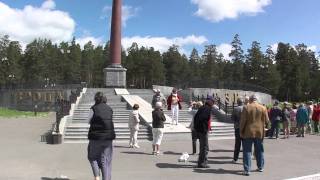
157 135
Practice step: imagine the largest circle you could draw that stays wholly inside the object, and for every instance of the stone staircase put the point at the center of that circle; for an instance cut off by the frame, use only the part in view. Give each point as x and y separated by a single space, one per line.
218 130
77 128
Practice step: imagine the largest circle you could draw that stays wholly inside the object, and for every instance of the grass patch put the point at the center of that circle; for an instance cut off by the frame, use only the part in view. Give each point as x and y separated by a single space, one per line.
5 112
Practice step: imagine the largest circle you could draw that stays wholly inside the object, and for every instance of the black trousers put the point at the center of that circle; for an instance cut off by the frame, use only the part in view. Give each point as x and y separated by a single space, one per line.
237 144
204 149
194 136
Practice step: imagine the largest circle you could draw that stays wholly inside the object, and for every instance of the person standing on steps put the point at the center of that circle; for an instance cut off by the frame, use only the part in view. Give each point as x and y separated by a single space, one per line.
134 126
174 105
101 135
158 97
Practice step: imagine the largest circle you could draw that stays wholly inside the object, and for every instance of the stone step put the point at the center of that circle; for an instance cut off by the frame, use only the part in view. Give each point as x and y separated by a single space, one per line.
85 137
117 133
117 130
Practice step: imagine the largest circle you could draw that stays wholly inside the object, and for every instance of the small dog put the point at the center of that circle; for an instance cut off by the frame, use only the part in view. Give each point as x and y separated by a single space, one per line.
184 157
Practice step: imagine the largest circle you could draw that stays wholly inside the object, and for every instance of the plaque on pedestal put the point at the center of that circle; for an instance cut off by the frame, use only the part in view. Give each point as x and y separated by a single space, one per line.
115 77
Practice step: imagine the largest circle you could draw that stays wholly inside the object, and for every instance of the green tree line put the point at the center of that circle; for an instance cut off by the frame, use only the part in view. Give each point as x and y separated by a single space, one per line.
292 73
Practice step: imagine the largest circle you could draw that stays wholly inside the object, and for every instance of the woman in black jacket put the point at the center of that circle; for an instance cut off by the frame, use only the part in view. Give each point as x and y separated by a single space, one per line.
101 135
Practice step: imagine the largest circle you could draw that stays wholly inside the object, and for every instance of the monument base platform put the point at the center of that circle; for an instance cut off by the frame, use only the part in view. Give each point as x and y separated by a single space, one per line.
115 77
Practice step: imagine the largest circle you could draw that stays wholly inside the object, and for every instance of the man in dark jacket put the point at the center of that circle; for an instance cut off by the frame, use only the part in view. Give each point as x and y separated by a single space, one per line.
101 135
202 125
235 117
275 116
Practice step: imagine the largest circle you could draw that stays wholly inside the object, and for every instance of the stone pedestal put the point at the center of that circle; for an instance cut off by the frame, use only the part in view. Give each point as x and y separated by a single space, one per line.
115 77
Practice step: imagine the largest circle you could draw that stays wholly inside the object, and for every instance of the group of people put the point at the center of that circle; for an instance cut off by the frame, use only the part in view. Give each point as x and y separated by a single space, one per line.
295 119
251 124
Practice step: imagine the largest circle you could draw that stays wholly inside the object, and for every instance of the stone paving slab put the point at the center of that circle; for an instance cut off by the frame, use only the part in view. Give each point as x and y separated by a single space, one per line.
24 156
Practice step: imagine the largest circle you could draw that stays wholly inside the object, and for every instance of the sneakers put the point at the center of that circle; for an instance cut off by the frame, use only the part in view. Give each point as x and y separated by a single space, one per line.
246 173
136 146
260 169
234 161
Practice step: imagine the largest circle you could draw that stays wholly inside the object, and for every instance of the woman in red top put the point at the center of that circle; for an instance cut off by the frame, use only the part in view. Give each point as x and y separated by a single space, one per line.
316 117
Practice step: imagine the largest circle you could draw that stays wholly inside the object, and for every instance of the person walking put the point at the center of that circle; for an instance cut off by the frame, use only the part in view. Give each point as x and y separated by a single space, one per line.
286 119
302 119
158 97
316 118
309 124
202 126
174 105
134 126
276 116
101 135
193 110
236 117
254 118
158 120
293 120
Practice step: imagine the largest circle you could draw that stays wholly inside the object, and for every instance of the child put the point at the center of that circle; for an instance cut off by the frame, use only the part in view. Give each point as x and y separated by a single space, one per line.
134 126
158 120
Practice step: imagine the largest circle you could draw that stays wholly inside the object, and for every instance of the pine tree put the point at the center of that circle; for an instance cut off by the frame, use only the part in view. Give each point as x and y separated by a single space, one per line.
237 58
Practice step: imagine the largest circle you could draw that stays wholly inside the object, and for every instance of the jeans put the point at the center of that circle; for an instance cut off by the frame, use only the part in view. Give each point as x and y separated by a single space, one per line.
204 149
274 126
247 151
237 144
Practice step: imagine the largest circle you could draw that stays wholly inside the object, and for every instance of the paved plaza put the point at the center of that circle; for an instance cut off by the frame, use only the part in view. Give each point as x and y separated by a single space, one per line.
24 156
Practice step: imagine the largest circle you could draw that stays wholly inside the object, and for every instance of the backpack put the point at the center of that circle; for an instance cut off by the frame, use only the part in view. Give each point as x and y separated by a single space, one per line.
201 119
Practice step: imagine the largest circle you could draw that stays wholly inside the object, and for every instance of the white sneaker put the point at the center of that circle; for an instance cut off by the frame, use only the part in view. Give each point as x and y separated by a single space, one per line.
136 146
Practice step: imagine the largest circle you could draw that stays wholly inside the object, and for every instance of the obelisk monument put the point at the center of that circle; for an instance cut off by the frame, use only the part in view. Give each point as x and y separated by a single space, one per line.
115 74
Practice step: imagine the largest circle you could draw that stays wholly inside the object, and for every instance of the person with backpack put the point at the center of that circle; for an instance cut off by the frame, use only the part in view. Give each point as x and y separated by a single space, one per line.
202 126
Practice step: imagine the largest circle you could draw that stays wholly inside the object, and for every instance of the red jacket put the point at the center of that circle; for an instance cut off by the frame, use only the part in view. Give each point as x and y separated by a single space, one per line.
169 100
316 114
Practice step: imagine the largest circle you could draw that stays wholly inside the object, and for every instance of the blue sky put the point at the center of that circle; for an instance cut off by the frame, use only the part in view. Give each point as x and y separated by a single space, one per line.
188 23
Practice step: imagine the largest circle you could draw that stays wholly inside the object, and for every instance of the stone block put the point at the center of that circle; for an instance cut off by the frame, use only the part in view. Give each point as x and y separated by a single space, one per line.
115 77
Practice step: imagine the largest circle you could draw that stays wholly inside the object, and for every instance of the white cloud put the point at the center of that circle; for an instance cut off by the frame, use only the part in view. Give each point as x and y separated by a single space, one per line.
274 48
225 49
128 12
29 23
95 41
49 4
163 43
312 48
218 10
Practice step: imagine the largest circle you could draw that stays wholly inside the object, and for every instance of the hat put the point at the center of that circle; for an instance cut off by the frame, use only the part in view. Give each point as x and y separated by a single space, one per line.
276 102
158 90
159 104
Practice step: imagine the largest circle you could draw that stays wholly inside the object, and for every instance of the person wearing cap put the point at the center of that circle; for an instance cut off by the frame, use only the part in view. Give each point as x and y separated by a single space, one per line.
254 118
302 119
134 126
202 126
275 116
286 119
157 97
236 117
174 105
158 120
